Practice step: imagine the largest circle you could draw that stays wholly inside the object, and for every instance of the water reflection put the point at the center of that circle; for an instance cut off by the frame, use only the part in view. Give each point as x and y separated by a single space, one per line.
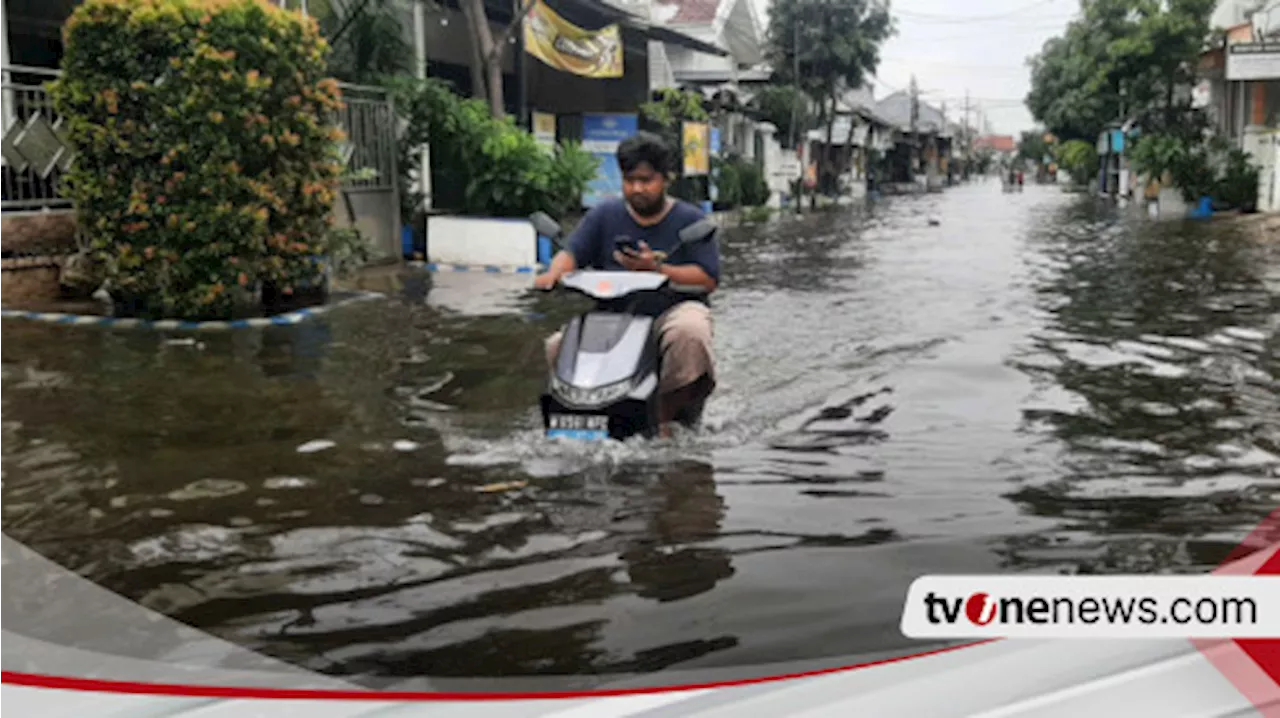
1156 349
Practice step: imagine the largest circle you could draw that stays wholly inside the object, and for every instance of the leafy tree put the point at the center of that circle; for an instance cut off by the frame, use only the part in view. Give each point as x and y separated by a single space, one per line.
366 37
1032 146
787 108
824 47
1079 159
669 108
664 115
1122 59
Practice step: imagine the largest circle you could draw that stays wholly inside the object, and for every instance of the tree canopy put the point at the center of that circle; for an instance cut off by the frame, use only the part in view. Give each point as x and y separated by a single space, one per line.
824 45
1121 60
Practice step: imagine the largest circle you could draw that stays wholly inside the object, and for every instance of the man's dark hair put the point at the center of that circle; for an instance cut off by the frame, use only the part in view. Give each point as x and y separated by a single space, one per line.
646 147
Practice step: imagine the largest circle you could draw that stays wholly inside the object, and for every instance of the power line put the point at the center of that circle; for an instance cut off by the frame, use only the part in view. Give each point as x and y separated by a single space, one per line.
984 33
954 66
961 19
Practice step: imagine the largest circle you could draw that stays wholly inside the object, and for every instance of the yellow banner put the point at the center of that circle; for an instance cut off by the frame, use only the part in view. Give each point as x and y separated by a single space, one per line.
697 152
569 48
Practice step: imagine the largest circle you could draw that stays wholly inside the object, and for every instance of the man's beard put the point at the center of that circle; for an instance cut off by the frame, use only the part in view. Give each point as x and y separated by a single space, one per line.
652 209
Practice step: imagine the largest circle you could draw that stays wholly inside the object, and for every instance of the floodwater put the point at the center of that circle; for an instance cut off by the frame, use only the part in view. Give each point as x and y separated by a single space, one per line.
1033 383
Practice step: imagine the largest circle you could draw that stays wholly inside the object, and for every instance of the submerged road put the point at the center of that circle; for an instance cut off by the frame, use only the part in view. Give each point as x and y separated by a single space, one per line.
1033 384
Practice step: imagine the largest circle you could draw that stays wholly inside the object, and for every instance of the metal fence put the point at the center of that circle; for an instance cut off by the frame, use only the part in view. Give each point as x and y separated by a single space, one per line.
36 153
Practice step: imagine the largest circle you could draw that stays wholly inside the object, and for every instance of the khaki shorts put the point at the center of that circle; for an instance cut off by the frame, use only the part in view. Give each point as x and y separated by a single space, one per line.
685 336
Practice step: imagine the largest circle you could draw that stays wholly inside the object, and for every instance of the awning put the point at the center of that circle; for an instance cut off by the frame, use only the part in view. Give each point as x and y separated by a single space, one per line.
613 13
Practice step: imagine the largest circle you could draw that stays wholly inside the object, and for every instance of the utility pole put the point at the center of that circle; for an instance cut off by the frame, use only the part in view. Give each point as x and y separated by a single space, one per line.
420 67
523 118
944 160
7 114
796 99
968 135
915 118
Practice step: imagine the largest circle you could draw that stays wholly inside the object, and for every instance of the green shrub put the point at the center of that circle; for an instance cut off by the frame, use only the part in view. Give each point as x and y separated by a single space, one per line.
1080 159
480 165
741 182
1238 186
1205 168
205 164
754 188
728 182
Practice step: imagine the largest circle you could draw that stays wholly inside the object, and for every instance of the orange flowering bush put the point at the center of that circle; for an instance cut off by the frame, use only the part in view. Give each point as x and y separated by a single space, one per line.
206 162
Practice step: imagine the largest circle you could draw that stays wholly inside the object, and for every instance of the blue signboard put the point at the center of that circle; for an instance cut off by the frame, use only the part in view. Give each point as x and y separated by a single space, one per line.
715 171
600 136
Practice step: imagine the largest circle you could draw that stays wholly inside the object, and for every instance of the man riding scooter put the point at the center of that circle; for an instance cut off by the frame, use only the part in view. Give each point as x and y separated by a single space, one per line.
638 233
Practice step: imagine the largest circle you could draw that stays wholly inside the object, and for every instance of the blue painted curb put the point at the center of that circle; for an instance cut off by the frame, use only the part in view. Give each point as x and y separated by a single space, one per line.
483 268
287 319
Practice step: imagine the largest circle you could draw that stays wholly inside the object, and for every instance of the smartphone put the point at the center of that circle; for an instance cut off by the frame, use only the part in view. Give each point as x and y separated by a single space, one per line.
626 244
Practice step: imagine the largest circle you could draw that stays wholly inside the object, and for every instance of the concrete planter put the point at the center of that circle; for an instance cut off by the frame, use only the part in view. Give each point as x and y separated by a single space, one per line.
481 241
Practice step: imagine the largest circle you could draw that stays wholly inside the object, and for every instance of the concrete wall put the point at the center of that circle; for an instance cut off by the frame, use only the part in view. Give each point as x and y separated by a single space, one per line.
781 168
479 241
377 217
1263 146
28 286
38 232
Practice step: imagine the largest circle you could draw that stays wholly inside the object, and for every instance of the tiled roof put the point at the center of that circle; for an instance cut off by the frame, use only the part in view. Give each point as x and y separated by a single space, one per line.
694 11
999 143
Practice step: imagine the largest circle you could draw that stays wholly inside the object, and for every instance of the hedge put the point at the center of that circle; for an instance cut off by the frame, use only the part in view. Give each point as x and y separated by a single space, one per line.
206 164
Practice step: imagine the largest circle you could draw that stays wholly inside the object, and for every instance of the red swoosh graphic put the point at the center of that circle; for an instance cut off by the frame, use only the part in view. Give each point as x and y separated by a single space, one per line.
98 685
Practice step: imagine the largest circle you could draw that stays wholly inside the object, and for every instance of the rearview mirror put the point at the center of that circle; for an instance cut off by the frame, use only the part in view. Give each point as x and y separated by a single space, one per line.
697 232
545 225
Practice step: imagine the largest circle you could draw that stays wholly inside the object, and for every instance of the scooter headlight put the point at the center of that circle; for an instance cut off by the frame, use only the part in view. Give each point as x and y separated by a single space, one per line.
593 396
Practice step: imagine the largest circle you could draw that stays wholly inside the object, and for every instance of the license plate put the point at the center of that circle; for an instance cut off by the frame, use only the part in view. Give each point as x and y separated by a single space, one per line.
578 426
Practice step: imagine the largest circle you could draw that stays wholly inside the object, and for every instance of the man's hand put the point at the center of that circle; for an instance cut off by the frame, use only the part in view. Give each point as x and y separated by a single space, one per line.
561 264
643 260
545 281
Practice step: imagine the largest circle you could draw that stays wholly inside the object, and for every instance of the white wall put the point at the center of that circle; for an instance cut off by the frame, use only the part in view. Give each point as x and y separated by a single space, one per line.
1263 146
481 241
781 168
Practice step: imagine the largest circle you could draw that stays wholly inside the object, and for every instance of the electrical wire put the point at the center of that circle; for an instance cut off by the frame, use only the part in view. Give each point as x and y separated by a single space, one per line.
962 19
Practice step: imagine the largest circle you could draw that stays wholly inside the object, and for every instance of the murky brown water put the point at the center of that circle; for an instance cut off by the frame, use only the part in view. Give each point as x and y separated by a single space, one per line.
1034 384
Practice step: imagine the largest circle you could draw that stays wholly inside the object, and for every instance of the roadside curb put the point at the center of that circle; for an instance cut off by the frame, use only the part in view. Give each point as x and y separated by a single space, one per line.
286 319
478 268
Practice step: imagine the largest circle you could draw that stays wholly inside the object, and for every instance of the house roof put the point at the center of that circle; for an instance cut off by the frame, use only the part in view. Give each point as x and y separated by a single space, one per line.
999 143
675 37
734 23
862 102
694 11
896 110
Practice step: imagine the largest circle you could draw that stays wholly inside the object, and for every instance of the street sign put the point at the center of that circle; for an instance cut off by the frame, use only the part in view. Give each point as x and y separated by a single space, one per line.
1253 61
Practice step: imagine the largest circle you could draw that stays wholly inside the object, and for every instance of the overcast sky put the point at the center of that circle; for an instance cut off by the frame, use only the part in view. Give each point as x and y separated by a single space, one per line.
981 47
